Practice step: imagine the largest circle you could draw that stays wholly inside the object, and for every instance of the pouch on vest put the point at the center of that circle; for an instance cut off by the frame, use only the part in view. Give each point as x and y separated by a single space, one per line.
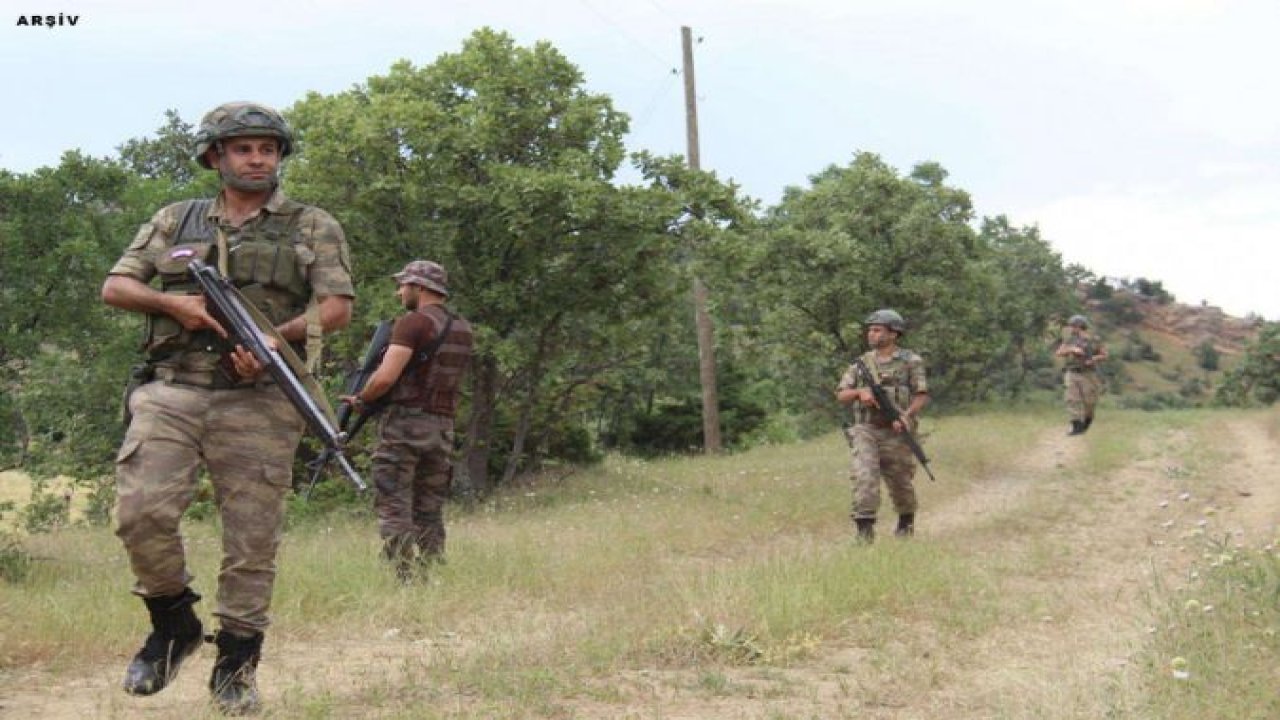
166 335
274 265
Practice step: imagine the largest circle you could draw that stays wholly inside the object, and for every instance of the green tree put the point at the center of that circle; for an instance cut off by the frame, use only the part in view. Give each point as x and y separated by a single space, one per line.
1030 289
60 230
66 355
1153 289
1257 377
168 155
860 237
496 161
1207 356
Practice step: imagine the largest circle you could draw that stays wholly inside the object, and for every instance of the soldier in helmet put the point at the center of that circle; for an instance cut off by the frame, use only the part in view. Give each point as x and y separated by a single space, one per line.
878 451
202 402
420 379
1081 353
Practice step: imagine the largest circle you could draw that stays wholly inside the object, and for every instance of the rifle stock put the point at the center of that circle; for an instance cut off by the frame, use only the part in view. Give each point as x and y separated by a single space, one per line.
236 314
894 415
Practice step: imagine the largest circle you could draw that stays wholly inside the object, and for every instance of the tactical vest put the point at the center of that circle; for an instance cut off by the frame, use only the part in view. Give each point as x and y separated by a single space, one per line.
267 261
436 385
1076 363
895 376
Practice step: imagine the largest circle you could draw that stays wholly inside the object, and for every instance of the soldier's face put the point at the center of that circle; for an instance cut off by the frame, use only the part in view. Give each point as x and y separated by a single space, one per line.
251 160
880 336
408 296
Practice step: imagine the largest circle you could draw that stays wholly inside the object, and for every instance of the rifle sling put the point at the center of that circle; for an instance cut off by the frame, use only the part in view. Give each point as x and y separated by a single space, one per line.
419 359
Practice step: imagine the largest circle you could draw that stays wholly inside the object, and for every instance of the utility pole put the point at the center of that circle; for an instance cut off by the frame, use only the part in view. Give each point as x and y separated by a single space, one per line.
702 318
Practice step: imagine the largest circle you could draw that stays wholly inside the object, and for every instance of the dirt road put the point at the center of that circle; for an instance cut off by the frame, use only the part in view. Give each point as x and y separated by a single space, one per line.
1064 647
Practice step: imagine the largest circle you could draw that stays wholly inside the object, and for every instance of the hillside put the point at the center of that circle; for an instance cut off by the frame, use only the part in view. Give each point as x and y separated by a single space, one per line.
1192 325
1158 345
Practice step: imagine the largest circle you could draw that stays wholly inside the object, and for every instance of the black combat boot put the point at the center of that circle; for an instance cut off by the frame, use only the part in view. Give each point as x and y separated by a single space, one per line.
234 688
906 525
1077 427
866 530
176 632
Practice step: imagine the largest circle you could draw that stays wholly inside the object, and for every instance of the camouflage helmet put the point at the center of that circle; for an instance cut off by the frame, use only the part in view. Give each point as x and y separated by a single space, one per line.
1079 321
429 275
241 119
889 318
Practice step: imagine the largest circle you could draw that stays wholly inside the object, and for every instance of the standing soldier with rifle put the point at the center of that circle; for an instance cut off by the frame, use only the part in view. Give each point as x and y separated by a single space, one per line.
201 400
419 382
887 388
1081 353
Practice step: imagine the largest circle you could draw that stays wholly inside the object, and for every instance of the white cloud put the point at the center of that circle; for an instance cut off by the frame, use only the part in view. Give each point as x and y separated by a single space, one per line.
1220 249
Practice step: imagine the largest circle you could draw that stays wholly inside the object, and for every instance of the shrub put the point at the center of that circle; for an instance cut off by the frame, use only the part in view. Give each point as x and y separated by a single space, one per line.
46 512
15 561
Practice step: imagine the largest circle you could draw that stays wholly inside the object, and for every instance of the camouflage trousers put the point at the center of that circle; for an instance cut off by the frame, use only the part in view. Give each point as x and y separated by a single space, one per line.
880 454
412 473
246 439
1082 392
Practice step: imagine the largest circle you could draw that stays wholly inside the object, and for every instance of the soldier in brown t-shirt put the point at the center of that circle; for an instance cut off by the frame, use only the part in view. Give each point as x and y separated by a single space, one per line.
289 259
420 377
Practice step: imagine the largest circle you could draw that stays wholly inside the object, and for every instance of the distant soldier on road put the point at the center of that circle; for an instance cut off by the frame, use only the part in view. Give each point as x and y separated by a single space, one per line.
878 450
1081 353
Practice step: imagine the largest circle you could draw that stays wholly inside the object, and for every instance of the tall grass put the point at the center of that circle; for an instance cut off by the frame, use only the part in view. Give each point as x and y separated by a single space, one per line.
1215 649
694 568
1216 644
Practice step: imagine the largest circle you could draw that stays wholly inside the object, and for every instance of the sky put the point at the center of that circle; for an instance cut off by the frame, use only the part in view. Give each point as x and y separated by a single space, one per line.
1140 136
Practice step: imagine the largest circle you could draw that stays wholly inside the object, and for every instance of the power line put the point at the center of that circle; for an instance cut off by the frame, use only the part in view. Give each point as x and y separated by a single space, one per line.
666 64
663 88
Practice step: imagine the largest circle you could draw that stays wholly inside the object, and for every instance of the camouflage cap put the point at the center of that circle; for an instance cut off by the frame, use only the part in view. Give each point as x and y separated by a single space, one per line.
241 119
430 275
1079 321
889 318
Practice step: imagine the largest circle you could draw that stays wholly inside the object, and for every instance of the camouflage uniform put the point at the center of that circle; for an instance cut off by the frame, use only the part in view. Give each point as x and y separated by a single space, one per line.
245 434
412 463
876 451
1083 383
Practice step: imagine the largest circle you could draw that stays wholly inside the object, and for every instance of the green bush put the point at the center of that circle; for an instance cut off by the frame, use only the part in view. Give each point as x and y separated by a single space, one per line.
1207 355
15 561
1154 402
46 512
101 499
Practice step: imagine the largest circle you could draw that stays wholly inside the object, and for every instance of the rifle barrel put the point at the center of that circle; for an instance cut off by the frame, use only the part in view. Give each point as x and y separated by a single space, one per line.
893 414
246 332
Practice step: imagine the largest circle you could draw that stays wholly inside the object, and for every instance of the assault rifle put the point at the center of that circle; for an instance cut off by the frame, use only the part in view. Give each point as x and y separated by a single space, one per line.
1086 347
247 326
892 414
355 383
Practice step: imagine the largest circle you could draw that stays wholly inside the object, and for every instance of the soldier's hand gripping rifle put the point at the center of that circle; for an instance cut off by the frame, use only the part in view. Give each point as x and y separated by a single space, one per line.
355 383
892 413
245 326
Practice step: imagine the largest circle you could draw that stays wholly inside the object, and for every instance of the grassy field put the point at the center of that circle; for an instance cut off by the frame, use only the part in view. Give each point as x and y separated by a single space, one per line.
730 587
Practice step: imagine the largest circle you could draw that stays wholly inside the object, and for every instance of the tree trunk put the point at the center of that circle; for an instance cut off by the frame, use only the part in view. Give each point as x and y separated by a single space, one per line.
521 433
484 386
707 369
